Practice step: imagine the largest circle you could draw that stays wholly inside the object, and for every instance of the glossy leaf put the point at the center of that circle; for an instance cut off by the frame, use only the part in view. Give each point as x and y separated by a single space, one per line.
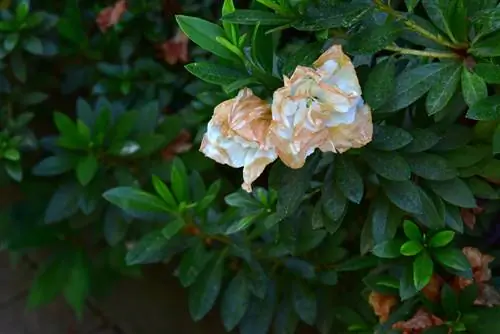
443 90
423 268
474 88
380 85
235 301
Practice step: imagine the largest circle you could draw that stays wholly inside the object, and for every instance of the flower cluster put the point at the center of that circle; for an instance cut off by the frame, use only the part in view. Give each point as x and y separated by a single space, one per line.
422 319
111 15
319 107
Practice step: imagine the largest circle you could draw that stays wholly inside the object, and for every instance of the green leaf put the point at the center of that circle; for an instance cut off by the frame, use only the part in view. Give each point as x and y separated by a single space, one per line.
449 16
406 286
204 292
14 170
385 219
380 84
390 165
487 47
305 56
413 84
304 302
453 218
230 29
235 301
18 66
86 169
172 228
242 224
215 73
263 48
422 270
467 156
205 34
412 231
488 72
430 167
63 204
474 88
149 249
22 10
326 16
33 98
389 138
70 136
455 192
180 181
404 194
259 316
423 140
411 4
411 248
253 17
442 239
433 213
334 202
33 45
50 281
193 263
12 154
115 226
389 249
449 301
442 91
372 39
482 189
77 287
487 109
165 193
348 179
128 198
10 42
452 258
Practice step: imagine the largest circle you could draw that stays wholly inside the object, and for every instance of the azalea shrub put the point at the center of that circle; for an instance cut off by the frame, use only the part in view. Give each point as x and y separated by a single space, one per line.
325 164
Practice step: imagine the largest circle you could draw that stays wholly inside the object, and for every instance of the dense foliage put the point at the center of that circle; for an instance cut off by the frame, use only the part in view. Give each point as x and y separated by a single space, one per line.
398 235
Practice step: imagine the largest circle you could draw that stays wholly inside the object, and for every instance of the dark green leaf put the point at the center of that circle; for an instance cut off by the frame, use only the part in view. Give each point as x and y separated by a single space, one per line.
77 287
413 84
304 56
235 301
455 136
358 263
149 249
487 47
172 228
422 270
259 316
388 164
165 193
63 204
482 189
373 38
423 139
86 169
452 258
455 192
443 90
179 179
433 213
128 198
489 72
385 219
450 17
253 17
449 301
453 218
54 165
412 231
411 4
33 45
304 302
348 179
406 286
390 138
467 156
389 249
193 263
487 109
204 292
215 73
50 281
404 194
18 66
380 85
204 34
326 16
474 88
33 98
430 167
115 226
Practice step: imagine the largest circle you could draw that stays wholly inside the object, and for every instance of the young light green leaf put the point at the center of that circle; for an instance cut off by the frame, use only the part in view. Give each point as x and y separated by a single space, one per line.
230 29
380 84
86 169
204 34
442 239
411 248
443 90
165 193
474 88
423 268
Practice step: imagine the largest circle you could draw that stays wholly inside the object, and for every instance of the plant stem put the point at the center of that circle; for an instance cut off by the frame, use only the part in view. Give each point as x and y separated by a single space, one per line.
413 26
431 54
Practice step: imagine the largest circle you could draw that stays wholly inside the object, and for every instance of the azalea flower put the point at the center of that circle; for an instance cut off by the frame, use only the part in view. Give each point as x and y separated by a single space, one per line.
382 305
237 135
111 15
421 321
176 49
320 107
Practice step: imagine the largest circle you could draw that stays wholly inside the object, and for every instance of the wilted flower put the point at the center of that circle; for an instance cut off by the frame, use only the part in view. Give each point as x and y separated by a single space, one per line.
237 135
382 305
175 49
469 216
182 143
433 289
320 107
110 16
421 321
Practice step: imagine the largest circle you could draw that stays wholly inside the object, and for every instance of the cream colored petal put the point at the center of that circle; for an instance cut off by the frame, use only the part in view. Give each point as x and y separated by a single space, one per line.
255 165
355 135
